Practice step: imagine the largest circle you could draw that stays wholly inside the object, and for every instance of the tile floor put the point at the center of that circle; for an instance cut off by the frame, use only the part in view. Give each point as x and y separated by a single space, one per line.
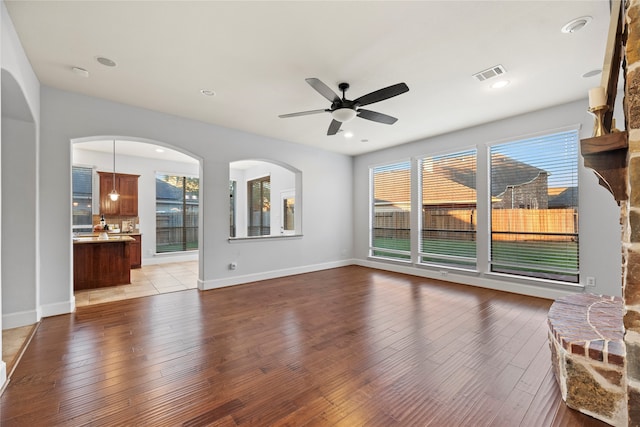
145 281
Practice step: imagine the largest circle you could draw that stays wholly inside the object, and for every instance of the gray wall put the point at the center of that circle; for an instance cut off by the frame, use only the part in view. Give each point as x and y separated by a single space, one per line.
599 215
326 208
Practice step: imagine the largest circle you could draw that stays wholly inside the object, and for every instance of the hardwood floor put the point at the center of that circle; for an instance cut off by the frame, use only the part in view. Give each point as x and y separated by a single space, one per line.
350 346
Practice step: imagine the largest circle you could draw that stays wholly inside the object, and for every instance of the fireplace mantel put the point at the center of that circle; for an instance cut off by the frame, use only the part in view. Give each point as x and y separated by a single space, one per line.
607 156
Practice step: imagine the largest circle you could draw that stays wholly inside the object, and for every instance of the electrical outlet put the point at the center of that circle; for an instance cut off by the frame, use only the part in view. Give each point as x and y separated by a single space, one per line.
444 273
233 265
591 282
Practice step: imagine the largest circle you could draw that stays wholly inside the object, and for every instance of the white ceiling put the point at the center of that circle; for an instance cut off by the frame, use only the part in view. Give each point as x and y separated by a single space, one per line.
256 56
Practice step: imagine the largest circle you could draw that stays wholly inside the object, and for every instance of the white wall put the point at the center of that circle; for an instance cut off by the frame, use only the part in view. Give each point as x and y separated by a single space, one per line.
599 215
24 92
147 169
327 240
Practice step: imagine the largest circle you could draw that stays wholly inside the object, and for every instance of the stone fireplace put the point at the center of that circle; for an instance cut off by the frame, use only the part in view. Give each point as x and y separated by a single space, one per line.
599 368
630 212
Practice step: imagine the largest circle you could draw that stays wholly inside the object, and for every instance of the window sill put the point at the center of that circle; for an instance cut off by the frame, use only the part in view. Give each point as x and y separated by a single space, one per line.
259 238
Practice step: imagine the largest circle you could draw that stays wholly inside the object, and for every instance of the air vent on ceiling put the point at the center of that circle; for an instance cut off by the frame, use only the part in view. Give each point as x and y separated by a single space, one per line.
490 73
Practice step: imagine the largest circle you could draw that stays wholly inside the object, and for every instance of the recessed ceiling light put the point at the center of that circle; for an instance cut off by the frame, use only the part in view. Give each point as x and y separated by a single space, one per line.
348 134
106 61
591 73
159 150
207 92
500 84
576 24
80 71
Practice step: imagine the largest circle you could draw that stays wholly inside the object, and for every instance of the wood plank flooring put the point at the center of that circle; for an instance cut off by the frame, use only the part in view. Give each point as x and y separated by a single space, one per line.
348 347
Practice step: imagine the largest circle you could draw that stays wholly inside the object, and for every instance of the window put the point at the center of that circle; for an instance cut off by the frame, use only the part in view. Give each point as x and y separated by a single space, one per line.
287 224
82 184
232 208
177 206
534 207
528 217
448 200
259 202
391 220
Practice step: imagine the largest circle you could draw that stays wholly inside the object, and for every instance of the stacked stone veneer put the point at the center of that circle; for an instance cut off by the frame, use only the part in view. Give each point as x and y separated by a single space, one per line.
631 214
588 355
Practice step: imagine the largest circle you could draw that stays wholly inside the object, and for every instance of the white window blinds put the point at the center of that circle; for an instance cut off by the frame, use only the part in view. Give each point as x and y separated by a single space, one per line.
391 222
534 207
448 201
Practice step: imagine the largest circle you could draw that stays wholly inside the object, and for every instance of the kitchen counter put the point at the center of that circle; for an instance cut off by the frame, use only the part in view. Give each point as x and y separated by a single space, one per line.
99 263
95 239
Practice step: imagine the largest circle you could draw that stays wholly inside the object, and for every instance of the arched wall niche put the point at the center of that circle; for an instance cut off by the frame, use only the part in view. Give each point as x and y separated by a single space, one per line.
265 199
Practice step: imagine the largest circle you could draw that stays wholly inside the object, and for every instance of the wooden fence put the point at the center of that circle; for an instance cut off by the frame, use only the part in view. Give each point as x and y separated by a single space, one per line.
507 224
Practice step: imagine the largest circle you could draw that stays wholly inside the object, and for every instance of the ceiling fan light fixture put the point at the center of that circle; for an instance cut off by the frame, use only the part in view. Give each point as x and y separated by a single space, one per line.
343 114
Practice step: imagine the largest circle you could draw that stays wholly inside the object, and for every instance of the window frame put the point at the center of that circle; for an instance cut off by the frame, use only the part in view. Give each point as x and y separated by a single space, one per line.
250 220
195 228
443 258
483 210
403 256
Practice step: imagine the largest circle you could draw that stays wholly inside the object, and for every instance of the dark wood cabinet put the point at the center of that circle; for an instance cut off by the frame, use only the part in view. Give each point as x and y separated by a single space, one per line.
136 252
99 264
127 186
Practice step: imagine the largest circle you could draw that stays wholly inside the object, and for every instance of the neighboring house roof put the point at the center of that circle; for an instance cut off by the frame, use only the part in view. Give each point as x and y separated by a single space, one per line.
166 191
505 171
458 180
566 199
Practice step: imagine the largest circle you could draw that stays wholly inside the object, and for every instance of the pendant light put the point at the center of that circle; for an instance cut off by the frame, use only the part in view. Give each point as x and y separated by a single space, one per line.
114 194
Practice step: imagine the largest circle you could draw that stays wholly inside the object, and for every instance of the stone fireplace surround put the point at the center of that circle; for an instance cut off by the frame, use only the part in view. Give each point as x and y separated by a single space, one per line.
622 162
588 355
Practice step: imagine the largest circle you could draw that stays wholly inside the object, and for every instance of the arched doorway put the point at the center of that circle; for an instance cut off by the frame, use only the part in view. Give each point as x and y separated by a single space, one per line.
19 253
167 211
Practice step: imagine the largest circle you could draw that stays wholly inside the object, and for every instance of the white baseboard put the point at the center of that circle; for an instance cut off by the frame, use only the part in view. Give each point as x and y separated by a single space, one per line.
512 285
21 318
164 259
59 308
205 285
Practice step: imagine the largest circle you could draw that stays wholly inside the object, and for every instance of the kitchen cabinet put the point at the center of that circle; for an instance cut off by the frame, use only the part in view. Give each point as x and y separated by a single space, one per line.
98 263
127 186
136 251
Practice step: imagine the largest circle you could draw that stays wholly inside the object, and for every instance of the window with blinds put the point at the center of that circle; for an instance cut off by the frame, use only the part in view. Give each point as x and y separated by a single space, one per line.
391 222
534 207
82 195
259 191
177 210
448 217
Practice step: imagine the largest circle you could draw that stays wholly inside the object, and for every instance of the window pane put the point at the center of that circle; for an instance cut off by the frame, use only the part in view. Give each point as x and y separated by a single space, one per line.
288 206
259 207
392 211
232 208
177 207
534 207
449 210
82 184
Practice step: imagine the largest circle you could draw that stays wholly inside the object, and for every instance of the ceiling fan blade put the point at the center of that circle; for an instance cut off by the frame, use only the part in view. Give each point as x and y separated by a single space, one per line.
382 94
302 113
334 127
376 117
323 89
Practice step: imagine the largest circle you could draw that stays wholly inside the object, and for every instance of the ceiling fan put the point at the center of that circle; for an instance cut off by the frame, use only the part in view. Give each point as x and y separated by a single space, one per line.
344 110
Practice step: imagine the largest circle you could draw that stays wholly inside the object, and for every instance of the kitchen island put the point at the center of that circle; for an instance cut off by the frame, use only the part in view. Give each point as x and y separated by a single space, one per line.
101 262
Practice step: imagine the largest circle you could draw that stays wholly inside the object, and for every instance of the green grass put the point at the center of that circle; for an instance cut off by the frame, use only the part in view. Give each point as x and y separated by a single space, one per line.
533 256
